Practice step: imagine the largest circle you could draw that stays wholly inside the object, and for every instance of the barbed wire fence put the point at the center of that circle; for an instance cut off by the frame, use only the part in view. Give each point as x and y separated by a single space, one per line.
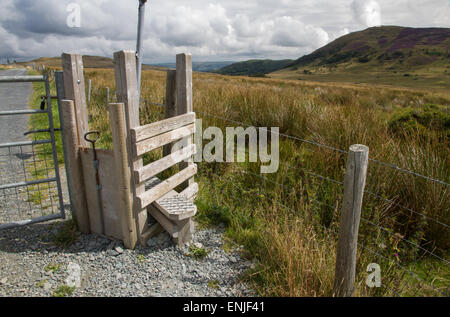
415 283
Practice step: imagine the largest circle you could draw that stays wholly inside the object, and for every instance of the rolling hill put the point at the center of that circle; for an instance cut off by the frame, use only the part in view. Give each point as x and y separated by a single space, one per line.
254 67
388 55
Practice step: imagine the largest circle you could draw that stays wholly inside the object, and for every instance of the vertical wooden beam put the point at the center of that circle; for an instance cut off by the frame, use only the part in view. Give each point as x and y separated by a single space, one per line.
73 164
127 93
354 183
184 99
170 102
74 89
123 174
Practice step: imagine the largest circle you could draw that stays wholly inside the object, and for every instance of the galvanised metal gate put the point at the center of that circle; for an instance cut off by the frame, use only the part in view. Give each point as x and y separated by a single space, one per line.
30 186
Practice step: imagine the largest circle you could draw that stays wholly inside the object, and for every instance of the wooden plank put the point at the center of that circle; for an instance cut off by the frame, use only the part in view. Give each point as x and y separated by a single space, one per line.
184 232
158 141
354 183
73 165
184 101
167 224
170 102
176 208
158 166
127 93
74 89
153 129
109 192
123 174
191 191
154 230
165 186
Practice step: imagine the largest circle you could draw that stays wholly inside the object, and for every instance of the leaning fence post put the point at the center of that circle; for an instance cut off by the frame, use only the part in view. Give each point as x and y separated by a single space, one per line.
73 164
123 174
354 183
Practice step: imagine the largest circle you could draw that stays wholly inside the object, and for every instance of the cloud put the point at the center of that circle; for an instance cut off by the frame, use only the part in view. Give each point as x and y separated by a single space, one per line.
209 29
367 12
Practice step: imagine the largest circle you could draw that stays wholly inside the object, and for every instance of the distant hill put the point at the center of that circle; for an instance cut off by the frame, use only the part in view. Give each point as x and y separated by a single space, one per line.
388 54
254 67
88 62
199 66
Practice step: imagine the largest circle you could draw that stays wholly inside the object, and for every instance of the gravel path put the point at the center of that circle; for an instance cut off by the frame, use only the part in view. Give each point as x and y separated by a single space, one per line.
32 265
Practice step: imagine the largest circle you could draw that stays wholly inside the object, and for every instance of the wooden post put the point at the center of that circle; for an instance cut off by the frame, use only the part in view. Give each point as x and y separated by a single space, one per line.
354 183
74 89
170 104
89 90
184 99
73 164
123 174
127 93
107 97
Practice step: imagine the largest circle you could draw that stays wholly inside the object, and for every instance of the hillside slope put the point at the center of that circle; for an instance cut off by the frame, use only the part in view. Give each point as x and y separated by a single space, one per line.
387 55
254 67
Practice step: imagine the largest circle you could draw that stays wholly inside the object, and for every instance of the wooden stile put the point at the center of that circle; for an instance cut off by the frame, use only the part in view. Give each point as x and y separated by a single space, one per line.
153 129
158 141
166 162
148 197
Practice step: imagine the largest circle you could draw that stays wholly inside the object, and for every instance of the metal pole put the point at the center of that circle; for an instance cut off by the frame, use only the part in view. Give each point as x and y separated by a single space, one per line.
139 43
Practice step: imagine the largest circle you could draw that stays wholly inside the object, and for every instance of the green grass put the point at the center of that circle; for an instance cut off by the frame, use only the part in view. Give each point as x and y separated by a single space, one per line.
66 234
53 267
64 291
197 253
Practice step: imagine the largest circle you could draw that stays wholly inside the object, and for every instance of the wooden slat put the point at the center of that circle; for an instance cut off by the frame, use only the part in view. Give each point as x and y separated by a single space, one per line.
167 224
158 166
145 199
191 191
163 139
150 130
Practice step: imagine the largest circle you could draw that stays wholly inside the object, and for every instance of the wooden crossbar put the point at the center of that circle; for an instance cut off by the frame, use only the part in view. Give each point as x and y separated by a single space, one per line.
150 144
152 169
144 132
148 197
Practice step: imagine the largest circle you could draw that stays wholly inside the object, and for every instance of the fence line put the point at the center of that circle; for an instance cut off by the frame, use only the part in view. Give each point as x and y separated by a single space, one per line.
331 148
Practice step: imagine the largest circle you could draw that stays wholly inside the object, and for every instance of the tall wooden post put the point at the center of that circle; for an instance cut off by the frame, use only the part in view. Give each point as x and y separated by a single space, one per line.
127 93
123 173
184 99
74 89
170 102
73 165
75 118
354 183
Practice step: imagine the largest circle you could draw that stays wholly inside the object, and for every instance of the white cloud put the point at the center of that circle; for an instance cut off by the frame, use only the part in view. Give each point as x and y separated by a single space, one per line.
367 12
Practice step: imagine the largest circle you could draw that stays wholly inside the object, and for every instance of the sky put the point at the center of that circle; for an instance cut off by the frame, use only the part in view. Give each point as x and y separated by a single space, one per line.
211 30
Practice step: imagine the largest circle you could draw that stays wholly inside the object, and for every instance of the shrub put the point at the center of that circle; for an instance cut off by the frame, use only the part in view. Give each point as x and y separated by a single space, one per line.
428 119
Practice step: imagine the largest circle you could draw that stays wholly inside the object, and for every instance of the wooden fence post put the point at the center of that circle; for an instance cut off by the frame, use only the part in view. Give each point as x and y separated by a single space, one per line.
107 97
354 183
184 99
74 90
89 90
170 102
72 161
127 93
123 173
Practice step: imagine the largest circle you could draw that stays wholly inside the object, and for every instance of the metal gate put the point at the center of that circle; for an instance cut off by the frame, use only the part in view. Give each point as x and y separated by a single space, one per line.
30 185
